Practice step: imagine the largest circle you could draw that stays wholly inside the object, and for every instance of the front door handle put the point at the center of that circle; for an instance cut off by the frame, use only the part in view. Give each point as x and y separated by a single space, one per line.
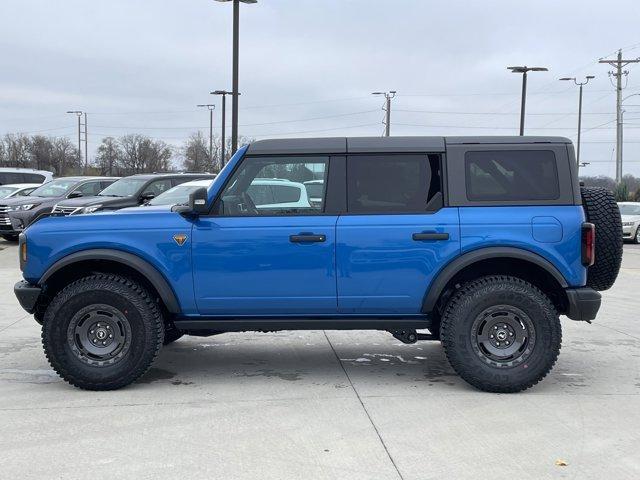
430 236
307 238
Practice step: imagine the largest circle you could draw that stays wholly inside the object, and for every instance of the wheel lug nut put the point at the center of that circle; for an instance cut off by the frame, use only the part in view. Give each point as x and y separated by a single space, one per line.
495 327
498 343
110 336
511 334
92 331
104 343
507 343
490 336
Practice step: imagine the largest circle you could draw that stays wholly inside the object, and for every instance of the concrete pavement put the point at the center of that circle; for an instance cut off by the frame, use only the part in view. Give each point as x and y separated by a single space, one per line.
325 405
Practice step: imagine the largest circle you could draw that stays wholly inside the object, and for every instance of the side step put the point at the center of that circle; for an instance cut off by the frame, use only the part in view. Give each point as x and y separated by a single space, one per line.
262 324
411 336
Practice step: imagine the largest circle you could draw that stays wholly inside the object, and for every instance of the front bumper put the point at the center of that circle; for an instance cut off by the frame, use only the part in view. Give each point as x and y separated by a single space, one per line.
584 303
27 295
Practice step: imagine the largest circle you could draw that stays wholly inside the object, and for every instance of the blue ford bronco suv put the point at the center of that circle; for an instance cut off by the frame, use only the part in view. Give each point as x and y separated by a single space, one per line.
481 241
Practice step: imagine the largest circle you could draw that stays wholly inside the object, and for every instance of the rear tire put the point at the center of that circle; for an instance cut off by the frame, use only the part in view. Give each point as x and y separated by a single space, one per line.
102 332
501 334
602 210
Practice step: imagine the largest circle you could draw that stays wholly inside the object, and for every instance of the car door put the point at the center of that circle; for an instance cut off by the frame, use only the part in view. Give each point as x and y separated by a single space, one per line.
396 235
255 257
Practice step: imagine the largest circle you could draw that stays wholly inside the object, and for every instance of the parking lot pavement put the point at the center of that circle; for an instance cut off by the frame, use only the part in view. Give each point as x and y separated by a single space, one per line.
325 405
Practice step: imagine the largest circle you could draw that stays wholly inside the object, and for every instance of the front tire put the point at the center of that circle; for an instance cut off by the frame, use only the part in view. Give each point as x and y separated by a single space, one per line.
501 334
102 332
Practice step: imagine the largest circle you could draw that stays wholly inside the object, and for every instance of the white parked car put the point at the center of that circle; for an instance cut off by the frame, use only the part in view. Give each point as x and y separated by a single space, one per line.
315 191
17 190
630 213
179 194
24 175
278 193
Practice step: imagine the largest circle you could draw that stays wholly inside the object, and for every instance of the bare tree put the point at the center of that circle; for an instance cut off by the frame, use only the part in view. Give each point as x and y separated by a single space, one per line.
140 154
109 156
195 153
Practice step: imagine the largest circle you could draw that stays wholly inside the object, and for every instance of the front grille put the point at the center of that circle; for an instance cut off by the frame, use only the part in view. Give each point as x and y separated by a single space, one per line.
66 210
5 221
4 208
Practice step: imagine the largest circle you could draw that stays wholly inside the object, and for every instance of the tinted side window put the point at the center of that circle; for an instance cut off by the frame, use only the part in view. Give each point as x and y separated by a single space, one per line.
157 187
400 183
33 178
11 177
89 189
511 175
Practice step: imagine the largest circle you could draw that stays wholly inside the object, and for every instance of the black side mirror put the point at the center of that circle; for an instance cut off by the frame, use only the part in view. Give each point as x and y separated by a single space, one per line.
75 194
145 197
198 203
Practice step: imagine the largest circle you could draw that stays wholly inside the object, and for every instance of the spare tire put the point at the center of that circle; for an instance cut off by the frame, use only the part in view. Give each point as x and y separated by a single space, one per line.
602 210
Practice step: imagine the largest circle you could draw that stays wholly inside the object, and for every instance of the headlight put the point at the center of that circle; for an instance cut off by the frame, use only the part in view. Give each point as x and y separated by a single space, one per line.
18 208
91 209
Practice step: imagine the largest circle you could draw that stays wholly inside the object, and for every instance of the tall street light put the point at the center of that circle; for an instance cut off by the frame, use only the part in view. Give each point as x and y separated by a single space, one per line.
388 96
524 70
211 108
580 84
235 88
224 94
79 114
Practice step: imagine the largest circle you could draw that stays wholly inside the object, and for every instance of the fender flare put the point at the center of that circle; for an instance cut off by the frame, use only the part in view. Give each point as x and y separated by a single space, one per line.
447 273
150 272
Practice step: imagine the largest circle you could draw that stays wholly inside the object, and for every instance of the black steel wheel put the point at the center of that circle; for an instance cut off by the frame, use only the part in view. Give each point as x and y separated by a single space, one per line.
102 332
501 334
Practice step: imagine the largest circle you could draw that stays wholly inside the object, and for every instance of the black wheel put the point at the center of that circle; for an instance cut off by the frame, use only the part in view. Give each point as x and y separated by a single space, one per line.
602 210
501 334
171 333
102 332
10 238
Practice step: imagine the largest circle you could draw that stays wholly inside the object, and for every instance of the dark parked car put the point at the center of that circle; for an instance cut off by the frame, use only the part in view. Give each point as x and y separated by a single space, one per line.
16 214
127 192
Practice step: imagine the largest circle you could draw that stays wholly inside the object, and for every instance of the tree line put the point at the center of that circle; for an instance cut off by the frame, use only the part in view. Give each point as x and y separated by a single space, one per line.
628 190
115 156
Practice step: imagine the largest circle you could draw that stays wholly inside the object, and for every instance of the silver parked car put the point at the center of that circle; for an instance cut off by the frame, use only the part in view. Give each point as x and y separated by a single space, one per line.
630 213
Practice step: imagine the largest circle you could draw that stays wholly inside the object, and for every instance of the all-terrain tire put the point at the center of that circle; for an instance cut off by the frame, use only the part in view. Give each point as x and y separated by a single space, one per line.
526 304
602 210
118 301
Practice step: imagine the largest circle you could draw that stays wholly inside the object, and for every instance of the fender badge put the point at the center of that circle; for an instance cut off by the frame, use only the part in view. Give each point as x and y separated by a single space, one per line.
180 238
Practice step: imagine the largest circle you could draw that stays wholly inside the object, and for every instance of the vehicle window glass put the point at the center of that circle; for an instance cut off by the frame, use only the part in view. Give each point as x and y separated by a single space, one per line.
178 195
6 191
157 187
125 187
629 209
89 189
393 183
11 177
33 178
274 186
511 175
25 192
55 188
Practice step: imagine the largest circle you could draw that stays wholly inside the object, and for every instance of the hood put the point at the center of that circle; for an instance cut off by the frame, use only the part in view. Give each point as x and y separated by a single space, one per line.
26 200
118 202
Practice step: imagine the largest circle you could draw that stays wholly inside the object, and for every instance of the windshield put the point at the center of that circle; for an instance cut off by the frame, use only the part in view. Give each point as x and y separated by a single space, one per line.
125 187
6 191
630 209
55 188
175 196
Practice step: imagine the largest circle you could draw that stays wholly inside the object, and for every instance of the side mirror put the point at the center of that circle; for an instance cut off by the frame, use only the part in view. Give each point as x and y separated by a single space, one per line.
145 197
75 194
198 203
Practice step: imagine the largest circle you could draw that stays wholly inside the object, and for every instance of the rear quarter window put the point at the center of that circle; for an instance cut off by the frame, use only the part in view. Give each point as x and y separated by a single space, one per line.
511 175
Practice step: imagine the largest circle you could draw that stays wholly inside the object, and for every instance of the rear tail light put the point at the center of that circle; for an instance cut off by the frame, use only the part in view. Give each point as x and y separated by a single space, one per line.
588 244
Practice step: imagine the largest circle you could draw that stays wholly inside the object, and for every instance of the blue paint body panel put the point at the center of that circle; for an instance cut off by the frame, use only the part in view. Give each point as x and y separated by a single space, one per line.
513 227
381 269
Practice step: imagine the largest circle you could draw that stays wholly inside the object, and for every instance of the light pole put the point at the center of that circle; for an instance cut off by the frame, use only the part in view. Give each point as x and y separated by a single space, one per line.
79 114
388 96
224 94
621 137
524 70
580 84
235 87
211 107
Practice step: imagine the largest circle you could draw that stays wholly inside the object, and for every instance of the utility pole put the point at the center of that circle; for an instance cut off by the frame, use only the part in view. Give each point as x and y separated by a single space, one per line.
523 99
619 63
86 145
224 94
235 68
387 108
79 114
581 84
211 108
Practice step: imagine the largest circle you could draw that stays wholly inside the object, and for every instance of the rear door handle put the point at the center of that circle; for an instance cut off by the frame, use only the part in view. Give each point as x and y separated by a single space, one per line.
307 238
430 236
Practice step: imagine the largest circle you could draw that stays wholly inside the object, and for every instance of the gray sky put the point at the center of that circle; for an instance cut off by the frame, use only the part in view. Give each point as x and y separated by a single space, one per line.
308 67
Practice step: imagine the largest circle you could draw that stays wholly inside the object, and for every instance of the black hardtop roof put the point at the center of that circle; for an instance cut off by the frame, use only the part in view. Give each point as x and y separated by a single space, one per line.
339 145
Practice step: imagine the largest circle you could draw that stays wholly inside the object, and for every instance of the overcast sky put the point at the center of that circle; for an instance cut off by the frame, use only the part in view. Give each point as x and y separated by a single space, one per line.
308 67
